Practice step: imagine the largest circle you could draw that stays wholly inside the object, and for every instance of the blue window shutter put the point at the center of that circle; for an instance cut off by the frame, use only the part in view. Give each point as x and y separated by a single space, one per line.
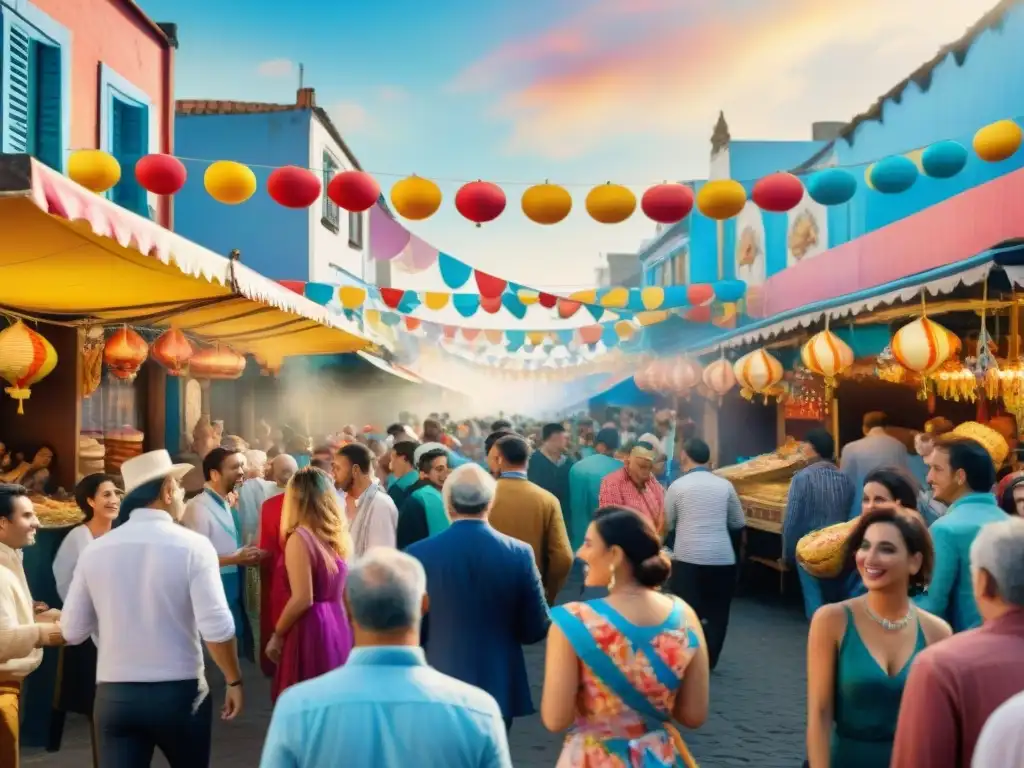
48 133
129 142
18 136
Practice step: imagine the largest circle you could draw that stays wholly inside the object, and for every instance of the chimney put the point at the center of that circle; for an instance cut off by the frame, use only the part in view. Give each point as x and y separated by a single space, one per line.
305 98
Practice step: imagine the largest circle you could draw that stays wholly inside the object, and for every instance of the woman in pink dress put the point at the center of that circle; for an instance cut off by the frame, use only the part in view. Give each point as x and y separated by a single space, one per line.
313 634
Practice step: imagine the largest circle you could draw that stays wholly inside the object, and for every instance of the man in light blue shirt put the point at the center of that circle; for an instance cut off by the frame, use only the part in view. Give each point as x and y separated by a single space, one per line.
386 708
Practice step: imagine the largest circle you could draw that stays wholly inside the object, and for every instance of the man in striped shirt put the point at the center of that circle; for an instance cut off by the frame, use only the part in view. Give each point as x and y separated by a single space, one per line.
819 495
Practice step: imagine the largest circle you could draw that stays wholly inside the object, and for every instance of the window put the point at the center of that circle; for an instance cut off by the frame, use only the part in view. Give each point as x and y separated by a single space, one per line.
355 229
125 130
32 117
330 217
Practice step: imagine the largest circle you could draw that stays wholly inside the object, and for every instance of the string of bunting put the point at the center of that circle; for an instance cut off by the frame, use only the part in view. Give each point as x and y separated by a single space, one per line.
416 198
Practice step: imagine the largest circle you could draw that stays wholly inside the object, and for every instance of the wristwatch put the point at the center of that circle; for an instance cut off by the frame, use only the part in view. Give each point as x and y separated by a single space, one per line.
236 684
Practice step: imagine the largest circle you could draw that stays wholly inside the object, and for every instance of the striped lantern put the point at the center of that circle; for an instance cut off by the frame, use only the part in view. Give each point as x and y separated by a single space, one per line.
922 346
719 377
124 353
828 356
757 373
25 359
173 351
684 376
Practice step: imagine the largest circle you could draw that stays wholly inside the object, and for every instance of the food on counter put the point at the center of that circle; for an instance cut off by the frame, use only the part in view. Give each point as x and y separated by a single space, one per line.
91 455
56 513
121 444
762 483
822 552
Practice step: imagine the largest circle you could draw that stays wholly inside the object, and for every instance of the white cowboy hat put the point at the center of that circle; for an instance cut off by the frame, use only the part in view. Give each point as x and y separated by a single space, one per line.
418 453
154 465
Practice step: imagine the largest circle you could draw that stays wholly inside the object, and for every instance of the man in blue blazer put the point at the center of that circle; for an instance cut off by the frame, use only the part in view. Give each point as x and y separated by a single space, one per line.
486 597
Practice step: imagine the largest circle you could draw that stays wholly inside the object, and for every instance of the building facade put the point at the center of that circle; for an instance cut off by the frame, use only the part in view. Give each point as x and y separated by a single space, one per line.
92 74
321 244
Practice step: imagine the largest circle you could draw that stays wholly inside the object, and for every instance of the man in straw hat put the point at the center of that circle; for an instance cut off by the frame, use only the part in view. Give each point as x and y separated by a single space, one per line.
961 473
635 487
150 589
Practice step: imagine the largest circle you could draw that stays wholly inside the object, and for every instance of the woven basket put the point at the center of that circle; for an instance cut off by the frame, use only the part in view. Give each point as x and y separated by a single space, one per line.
822 552
993 442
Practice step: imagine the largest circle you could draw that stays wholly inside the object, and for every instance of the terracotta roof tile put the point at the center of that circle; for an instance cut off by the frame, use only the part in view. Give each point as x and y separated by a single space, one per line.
215 107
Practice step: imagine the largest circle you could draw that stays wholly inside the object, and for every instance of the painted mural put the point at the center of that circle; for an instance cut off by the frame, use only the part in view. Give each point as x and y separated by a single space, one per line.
806 232
750 255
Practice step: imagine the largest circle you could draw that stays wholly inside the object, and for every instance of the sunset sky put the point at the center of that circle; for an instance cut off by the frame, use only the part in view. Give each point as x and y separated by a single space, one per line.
575 91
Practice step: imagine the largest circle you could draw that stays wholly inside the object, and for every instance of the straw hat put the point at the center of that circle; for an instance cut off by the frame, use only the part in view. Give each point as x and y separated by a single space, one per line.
154 465
993 442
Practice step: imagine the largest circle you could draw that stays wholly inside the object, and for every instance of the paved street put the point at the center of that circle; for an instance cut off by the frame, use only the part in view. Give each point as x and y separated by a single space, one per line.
757 704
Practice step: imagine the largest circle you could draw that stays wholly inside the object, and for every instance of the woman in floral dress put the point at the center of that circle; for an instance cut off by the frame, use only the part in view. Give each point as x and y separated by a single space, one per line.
620 669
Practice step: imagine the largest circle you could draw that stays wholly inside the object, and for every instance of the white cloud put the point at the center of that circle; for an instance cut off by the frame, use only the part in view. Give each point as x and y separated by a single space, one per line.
276 68
349 117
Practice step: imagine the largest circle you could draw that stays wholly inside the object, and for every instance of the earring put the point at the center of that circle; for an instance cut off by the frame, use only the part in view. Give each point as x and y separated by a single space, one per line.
611 581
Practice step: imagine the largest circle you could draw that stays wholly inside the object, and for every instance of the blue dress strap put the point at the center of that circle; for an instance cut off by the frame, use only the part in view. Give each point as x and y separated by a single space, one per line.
641 638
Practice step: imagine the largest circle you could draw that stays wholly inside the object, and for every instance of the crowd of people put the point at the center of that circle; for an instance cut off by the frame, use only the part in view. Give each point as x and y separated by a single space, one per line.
387 583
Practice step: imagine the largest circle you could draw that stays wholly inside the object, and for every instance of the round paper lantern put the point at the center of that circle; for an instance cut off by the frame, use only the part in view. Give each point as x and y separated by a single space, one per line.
354 191
293 187
997 141
778 192
642 377
229 182
480 201
757 372
173 351
124 353
160 174
610 203
721 199
922 346
216 363
684 375
828 356
832 186
667 203
893 175
415 198
546 203
25 359
719 377
943 159
94 169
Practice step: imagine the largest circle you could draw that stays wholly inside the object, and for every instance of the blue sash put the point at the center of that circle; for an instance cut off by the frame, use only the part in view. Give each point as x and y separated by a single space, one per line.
231 575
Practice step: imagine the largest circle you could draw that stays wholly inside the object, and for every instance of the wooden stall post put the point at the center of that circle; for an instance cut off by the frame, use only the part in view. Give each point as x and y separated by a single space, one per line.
710 430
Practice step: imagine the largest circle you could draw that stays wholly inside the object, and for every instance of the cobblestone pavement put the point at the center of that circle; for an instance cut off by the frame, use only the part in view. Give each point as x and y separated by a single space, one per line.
756 719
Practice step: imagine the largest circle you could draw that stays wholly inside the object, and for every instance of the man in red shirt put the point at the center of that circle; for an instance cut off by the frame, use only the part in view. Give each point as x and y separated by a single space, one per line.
273 579
634 486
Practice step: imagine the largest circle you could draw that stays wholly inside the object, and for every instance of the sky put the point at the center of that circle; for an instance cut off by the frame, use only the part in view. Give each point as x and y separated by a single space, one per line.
578 92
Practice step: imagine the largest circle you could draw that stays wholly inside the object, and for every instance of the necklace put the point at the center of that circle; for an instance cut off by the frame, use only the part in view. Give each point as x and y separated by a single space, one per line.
888 624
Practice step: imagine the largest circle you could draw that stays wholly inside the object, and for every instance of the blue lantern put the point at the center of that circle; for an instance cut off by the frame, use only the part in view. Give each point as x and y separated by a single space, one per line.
728 291
893 175
832 186
944 159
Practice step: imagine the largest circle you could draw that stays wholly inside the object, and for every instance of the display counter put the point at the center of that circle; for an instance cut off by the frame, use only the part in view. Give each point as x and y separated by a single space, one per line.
762 484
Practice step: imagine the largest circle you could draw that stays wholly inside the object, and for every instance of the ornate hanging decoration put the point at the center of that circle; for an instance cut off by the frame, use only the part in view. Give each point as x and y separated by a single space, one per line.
719 377
758 373
124 353
92 361
828 356
216 363
684 376
173 351
25 359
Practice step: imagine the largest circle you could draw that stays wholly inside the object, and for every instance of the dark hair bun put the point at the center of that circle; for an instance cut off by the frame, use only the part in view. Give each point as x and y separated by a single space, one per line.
654 571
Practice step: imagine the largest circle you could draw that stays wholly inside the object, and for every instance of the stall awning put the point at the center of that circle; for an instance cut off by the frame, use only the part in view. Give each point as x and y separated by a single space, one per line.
68 255
394 370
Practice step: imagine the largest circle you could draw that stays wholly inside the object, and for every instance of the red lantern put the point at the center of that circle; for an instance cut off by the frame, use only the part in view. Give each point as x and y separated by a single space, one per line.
667 203
699 314
216 363
124 353
173 351
293 187
354 191
480 201
160 174
699 293
778 192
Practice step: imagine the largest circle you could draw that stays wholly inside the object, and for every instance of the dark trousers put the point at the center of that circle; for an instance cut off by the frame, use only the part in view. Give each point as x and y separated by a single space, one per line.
132 720
708 589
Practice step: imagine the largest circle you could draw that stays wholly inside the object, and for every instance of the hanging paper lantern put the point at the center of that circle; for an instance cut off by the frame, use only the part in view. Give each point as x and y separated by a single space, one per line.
25 359
173 351
354 191
216 363
721 199
480 201
943 159
160 174
642 377
610 203
828 356
893 175
997 141
415 198
778 192
757 372
684 375
667 203
719 377
124 353
922 345
94 169
546 203
832 186
229 182
293 187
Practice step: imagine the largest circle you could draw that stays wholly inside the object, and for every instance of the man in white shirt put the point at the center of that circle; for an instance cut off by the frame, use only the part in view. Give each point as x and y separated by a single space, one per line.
151 689
375 523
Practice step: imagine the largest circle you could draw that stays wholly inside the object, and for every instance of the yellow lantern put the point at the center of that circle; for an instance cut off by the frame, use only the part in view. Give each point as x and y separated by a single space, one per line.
922 346
94 169
610 203
546 203
828 356
757 372
416 198
719 377
721 199
25 359
229 182
997 141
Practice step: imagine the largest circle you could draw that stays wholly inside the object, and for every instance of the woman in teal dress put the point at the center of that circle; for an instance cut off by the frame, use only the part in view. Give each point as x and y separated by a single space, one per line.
859 651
